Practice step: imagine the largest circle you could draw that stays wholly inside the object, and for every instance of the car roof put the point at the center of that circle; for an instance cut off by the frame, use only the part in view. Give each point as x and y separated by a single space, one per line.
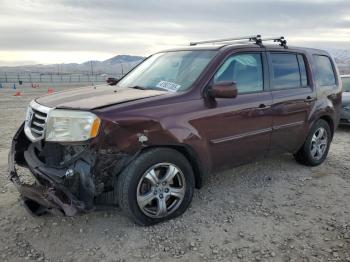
232 46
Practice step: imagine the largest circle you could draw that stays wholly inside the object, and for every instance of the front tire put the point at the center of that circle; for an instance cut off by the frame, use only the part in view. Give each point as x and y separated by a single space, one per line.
316 147
158 185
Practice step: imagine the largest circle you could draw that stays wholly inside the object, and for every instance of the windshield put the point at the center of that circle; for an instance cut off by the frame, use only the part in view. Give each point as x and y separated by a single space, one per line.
171 71
346 84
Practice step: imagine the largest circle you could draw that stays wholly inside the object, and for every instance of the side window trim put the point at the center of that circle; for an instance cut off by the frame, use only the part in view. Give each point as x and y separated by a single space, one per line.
301 59
271 73
266 73
308 67
264 65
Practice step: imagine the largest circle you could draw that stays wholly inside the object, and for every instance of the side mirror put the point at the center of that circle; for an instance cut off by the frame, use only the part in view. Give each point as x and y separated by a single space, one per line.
112 81
224 89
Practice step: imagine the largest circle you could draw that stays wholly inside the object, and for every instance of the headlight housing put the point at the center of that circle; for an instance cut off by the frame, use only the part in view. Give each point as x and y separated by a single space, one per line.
71 126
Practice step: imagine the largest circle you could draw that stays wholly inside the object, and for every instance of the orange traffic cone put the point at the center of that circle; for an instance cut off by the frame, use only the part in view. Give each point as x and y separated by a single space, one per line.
17 94
50 90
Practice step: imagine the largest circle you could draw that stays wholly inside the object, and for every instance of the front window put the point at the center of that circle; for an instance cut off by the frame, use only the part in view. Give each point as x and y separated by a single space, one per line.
172 71
346 84
245 70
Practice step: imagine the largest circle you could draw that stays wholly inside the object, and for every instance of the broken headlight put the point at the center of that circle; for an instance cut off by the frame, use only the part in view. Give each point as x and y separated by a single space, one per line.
71 126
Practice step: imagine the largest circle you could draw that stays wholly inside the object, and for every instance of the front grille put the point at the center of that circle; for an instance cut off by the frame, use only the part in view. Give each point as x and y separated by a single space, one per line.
36 121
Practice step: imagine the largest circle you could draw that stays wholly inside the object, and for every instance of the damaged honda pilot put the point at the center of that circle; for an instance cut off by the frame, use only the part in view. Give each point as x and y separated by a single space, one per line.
144 143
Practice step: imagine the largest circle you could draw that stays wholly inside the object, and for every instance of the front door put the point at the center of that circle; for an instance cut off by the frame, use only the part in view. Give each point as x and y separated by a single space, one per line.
238 129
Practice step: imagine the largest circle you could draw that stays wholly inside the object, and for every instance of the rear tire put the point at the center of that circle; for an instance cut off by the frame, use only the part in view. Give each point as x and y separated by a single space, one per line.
157 186
316 146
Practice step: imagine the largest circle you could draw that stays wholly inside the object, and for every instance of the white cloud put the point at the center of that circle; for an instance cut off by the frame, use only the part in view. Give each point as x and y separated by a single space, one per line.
75 30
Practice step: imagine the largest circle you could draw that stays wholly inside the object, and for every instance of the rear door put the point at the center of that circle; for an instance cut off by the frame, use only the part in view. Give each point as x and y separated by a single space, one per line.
293 98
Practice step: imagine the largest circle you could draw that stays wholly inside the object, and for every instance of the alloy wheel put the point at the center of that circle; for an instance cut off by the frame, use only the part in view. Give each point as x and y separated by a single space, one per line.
319 143
161 190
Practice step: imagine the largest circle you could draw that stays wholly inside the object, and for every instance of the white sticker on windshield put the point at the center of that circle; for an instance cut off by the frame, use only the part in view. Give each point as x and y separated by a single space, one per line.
172 87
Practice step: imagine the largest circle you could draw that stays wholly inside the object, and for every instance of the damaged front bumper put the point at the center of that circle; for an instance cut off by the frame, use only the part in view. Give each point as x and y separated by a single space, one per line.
63 185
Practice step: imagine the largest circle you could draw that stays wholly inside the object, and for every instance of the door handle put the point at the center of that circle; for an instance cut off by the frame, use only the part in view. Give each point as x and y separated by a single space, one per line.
309 99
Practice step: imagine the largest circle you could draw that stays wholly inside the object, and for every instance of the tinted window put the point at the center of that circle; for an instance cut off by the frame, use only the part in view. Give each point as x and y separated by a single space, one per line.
346 84
302 69
285 68
324 71
244 69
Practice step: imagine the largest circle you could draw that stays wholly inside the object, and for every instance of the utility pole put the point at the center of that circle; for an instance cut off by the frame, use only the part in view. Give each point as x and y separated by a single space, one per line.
92 69
121 64
92 73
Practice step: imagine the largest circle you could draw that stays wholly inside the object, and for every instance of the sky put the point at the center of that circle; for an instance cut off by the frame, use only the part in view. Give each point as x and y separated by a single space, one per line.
64 31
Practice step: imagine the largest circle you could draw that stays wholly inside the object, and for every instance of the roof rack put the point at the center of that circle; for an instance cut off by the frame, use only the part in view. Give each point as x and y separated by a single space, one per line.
281 40
255 38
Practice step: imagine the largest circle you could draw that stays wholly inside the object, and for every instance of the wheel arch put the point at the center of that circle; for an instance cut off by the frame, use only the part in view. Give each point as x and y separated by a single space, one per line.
198 169
330 122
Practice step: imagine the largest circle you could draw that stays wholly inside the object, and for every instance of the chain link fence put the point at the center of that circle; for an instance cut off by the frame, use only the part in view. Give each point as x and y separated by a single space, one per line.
53 78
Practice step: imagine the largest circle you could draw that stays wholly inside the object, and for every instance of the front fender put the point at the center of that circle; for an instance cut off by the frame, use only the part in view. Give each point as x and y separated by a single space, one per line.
131 137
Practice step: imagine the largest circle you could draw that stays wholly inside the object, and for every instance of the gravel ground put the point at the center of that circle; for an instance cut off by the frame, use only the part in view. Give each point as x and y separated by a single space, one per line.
274 210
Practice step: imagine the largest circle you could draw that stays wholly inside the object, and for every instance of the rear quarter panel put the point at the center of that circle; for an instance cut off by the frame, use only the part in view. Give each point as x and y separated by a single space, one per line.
328 103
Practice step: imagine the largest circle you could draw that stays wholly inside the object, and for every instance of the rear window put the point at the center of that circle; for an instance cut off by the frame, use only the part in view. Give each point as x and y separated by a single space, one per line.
346 84
324 71
288 71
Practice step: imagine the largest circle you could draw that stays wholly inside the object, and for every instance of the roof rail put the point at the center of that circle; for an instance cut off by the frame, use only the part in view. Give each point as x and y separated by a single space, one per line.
255 38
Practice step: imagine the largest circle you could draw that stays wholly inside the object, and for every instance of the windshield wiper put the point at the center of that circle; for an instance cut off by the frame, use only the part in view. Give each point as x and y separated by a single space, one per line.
139 87
148 88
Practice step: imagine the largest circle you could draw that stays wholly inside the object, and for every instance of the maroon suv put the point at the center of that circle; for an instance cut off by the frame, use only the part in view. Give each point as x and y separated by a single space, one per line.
148 141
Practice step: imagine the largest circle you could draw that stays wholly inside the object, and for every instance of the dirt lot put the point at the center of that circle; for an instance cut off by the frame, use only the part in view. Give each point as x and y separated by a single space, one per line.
274 210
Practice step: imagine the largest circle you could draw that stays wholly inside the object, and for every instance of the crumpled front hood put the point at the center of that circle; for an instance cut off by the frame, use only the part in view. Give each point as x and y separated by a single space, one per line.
95 96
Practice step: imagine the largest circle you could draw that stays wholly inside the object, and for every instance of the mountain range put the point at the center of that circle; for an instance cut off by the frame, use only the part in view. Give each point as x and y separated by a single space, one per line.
116 65
342 58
